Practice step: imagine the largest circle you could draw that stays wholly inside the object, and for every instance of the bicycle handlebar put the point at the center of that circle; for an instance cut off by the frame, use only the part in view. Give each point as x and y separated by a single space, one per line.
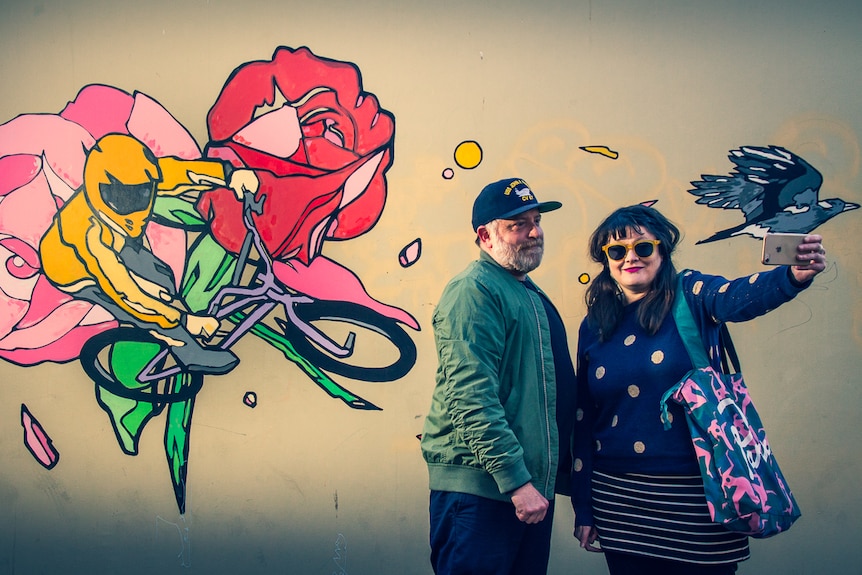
250 204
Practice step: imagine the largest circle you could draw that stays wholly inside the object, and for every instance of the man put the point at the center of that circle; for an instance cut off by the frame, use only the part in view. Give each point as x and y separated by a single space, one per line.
97 250
504 386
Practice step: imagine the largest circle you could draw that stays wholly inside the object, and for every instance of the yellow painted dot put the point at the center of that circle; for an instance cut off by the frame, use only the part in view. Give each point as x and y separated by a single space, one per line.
629 340
753 278
579 465
639 447
615 421
468 154
695 289
584 279
600 372
657 357
634 390
724 288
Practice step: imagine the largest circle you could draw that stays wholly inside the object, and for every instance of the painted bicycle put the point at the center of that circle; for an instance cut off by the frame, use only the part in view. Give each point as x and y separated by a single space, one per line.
137 376
251 305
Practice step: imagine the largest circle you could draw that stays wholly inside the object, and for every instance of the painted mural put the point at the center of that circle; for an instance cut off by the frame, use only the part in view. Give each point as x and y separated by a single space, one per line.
137 255
140 256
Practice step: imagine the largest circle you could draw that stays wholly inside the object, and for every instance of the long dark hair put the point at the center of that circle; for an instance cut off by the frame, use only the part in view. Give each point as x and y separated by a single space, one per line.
605 303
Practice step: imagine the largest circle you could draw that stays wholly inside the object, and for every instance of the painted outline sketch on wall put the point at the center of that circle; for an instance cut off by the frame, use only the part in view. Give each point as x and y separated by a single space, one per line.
776 190
128 248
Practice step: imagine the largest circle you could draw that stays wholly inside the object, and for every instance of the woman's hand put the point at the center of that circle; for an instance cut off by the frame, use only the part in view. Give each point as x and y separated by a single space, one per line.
812 252
587 536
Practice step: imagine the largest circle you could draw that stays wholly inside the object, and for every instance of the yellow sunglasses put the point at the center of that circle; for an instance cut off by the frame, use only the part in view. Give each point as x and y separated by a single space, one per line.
643 248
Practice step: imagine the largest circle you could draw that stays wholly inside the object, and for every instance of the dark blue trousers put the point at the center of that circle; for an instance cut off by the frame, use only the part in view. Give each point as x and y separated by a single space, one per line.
472 535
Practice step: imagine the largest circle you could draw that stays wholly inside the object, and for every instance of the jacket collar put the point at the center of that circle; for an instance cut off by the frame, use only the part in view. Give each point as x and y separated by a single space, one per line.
486 257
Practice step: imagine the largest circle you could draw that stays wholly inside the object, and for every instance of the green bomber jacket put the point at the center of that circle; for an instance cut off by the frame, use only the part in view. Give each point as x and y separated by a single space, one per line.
491 427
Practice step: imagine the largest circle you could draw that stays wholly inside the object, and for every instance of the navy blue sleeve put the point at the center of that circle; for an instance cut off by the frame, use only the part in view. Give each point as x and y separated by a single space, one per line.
715 300
582 471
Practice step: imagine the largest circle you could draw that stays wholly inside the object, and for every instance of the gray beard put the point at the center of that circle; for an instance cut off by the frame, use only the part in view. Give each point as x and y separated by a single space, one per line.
518 260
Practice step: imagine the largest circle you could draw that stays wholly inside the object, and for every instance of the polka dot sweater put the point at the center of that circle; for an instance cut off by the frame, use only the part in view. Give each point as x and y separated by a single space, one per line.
625 379
621 381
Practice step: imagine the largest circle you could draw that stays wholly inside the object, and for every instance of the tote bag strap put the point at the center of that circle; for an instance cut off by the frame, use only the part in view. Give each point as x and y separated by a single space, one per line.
691 336
688 329
729 359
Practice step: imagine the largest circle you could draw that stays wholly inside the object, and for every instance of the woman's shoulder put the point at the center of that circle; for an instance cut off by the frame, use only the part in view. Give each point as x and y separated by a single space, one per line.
588 334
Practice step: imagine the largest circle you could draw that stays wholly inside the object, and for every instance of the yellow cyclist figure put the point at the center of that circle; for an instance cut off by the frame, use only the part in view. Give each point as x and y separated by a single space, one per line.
96 249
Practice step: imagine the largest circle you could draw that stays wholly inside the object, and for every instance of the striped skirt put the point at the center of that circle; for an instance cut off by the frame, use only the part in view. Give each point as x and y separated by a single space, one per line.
665 517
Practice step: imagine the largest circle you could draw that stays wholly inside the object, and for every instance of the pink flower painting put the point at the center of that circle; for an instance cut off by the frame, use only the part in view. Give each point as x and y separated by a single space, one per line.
41 165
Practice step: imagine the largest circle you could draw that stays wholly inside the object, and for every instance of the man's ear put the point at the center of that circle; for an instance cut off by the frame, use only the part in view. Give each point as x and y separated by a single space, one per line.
483 233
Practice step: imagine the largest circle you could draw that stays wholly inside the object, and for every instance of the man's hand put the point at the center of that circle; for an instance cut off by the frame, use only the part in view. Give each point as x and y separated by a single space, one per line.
243 180
530 505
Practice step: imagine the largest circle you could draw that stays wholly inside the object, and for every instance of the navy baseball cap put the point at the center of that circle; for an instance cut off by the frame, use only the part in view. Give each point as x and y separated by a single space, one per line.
507 198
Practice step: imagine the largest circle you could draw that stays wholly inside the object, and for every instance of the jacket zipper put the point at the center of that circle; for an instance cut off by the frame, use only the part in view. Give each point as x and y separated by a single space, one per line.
544 388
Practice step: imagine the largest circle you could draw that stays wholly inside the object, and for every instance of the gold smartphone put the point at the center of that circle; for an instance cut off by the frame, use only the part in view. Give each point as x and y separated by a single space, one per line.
780 249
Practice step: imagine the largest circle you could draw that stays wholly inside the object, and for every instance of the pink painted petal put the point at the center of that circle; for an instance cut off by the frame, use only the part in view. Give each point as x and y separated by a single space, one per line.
169 245
57 324
277 133
160 131
24 262
100 110
11 312
97 315
37 441
65 348
18 170
410 253
327 280
44 300
62 143
28 212
60 189
357 183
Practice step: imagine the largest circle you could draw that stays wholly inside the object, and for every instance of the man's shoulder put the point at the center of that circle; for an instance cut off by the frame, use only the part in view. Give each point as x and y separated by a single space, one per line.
481 285
481 274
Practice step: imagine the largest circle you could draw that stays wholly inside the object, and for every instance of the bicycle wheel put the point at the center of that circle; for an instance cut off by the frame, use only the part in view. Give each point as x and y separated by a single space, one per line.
381 350
117 360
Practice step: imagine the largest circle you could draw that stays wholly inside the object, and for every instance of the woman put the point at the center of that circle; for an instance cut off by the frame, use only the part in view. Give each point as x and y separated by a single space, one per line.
637 488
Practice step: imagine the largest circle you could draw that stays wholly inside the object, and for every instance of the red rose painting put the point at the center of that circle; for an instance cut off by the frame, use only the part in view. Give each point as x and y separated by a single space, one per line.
321 147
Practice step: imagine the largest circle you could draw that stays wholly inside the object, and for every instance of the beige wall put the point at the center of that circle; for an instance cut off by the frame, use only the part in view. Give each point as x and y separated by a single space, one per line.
302 484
